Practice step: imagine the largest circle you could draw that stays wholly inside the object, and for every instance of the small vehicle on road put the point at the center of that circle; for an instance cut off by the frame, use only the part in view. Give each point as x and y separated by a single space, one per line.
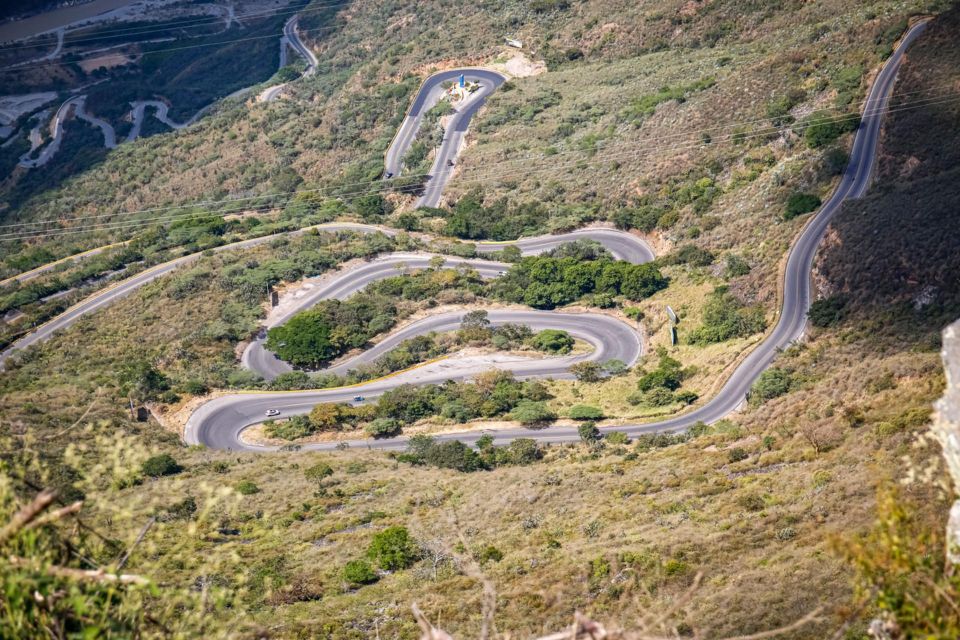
389 175
449 163
273 412
358 398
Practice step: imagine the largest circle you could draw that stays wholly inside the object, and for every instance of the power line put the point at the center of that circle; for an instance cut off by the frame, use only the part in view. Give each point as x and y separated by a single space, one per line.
488 176
32 234
864 104
375 187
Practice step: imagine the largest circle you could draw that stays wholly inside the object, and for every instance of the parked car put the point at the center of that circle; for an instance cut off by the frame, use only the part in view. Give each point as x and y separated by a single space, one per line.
273 412
358 398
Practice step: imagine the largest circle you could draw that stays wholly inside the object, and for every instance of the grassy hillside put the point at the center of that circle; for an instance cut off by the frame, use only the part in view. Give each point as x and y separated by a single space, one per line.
777 507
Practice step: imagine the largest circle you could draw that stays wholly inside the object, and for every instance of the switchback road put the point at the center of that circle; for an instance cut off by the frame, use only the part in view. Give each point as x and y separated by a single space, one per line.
220 422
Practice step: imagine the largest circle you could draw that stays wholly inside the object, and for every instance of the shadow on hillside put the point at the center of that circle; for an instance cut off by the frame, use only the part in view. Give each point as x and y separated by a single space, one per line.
895 255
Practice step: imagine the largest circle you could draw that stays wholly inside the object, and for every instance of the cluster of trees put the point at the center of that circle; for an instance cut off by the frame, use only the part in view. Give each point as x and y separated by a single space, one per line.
471 220
725 317
453 454
661 210
428 283
546 282
333 327
475 330
493 393
661 387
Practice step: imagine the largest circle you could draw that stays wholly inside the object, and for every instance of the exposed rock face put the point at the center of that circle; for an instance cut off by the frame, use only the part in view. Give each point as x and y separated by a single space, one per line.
946 427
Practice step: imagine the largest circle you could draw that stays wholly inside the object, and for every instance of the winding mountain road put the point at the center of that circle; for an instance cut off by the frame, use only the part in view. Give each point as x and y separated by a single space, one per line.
349 281
290 38
220 422
430 93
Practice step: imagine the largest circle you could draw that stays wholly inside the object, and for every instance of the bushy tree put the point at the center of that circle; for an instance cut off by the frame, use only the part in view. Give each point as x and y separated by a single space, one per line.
393 549
529 412
587 371
725 317
554 341
160 465
668 374
318 473
799 204
772 383
383 428
304 340
359 572
588 432
585 412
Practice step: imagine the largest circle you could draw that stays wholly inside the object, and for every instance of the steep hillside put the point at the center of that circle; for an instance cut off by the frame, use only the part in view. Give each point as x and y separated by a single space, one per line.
792 509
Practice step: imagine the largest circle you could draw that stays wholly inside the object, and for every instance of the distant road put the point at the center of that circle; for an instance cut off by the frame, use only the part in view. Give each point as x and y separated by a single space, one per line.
124 288
427 97
219 422
37 271
290 37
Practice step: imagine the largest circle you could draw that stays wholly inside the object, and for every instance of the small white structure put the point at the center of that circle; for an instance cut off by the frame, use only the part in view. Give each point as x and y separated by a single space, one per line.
513 42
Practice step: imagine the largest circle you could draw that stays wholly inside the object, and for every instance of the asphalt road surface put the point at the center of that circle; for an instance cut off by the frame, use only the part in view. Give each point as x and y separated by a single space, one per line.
219 423
124 288
258 359
427 97
630 246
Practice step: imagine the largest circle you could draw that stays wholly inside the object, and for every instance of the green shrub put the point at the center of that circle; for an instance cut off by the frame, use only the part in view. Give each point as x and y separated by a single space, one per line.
659 397
587 371
585 412
521 451
799 204
772 383
691 255
668 375
293 429
247 488
828 312
737 454
528 412
736 266
751 502
393 549
160 465
823 127
552 341
489 554
588 432
453 455
359 572
618 437
725 317
383 428
318 473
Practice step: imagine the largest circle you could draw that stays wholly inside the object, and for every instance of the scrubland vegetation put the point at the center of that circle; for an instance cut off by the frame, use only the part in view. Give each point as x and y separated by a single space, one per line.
793 503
